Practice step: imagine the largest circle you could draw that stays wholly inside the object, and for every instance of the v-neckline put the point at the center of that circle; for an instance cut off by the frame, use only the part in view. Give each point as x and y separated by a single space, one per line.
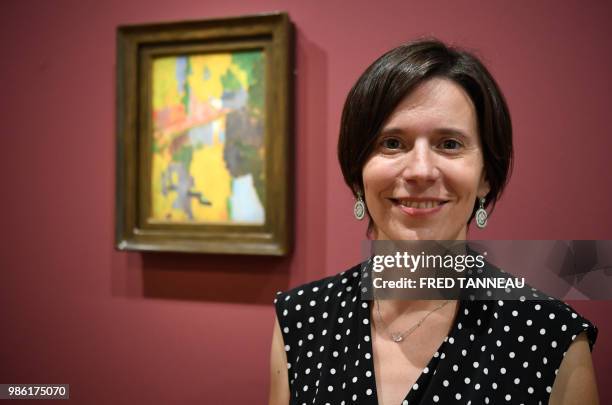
452 334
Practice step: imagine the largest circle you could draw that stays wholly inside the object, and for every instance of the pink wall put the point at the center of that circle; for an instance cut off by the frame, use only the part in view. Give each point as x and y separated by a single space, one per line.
168 328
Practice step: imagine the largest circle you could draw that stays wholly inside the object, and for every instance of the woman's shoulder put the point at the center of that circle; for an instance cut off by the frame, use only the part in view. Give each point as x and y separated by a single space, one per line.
534 314
325 291
523 342
309 310
548 321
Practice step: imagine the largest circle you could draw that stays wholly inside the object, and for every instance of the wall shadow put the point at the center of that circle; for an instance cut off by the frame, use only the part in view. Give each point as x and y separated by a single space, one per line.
216 278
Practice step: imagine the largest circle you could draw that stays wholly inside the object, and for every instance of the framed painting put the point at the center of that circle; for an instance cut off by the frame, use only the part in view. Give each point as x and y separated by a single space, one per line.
204 136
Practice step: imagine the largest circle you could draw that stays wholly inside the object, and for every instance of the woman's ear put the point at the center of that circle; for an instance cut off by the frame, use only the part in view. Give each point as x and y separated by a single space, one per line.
483 186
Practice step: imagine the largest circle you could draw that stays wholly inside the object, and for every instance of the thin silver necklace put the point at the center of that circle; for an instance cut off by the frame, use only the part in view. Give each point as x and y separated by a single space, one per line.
398 337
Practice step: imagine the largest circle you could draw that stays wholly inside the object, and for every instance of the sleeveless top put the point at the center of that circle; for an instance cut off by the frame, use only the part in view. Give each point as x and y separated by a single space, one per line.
496 351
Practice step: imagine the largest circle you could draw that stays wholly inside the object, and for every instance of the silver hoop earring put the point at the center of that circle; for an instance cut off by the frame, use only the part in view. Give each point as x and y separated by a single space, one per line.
481 215
359 208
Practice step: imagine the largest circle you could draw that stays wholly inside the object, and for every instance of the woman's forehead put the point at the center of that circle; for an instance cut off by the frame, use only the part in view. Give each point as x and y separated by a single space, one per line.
437 104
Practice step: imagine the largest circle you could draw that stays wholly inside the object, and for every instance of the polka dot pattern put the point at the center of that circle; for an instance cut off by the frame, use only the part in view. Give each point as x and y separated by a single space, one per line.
496 352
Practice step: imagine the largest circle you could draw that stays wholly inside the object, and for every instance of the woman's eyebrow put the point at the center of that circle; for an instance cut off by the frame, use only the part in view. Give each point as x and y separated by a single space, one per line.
392 131
451 131
438 131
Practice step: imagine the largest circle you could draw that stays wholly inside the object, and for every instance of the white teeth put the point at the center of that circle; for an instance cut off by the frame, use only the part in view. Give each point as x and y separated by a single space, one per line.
422 204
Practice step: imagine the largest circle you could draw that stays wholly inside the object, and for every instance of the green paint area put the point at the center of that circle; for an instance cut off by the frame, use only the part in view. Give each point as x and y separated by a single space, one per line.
230 82
253 64
184 155
186 88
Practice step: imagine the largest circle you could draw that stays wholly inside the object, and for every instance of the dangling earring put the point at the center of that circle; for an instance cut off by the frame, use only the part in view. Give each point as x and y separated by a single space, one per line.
359 208
481 215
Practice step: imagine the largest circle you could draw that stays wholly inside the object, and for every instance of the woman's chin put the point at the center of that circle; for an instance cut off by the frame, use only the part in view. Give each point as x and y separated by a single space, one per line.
422 234
410 234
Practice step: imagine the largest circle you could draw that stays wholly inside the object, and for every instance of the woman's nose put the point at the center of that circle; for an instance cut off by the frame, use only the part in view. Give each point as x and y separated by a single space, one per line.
420 164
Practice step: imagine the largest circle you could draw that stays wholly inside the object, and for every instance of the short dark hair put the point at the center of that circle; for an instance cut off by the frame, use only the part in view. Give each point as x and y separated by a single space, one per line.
393 76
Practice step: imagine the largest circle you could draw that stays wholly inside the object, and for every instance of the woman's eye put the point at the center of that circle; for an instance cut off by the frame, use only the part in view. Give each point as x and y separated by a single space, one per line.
391 143
451 144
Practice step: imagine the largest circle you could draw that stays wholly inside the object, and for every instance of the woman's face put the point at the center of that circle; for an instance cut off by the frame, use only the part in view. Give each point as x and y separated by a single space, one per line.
426 169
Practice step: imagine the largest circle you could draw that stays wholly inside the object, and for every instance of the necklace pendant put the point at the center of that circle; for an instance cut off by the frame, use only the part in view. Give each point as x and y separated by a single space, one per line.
397 338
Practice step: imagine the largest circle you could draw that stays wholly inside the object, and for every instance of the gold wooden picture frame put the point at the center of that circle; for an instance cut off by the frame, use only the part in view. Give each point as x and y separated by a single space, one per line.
204 136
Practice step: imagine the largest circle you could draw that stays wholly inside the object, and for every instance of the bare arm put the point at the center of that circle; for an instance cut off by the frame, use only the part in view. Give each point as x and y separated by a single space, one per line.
575 382
279 380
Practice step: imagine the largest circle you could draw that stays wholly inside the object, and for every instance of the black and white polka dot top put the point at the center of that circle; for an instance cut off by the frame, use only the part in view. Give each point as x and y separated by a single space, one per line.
497 352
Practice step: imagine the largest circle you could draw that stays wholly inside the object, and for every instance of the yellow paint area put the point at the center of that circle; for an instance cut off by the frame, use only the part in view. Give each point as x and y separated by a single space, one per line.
165 85
217 65
214 181
161 206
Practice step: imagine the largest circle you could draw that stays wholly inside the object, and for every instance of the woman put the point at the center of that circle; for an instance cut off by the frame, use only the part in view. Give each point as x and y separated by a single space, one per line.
425 144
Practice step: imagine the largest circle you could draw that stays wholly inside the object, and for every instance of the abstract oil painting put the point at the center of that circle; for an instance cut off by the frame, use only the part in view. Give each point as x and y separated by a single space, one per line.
208 151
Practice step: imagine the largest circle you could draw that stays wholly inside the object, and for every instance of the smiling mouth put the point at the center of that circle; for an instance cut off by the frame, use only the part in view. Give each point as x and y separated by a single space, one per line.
425 204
